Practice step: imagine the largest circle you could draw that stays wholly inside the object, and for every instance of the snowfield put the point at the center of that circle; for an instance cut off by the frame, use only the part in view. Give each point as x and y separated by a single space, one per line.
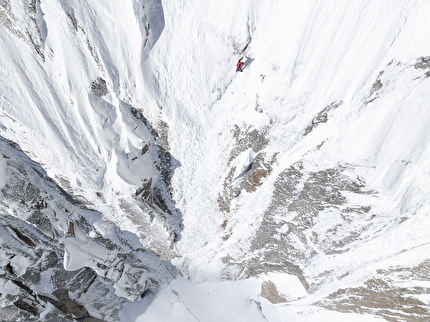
143 179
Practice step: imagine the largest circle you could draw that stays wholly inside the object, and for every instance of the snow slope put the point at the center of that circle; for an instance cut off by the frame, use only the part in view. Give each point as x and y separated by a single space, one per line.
311 87
309 169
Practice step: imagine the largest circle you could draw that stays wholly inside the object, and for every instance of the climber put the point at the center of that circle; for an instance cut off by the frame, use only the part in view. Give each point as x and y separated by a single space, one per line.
239 65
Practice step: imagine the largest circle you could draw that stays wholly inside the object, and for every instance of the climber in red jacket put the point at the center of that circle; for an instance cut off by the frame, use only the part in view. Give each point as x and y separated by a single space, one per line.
239 65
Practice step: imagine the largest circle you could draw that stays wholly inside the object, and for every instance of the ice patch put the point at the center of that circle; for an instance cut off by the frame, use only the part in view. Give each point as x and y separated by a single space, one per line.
4 258
242 163
10 288
19 264
80 253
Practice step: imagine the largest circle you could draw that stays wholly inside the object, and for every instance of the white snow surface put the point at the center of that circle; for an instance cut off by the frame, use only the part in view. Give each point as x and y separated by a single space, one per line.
302 56
224 301
79 253
242 163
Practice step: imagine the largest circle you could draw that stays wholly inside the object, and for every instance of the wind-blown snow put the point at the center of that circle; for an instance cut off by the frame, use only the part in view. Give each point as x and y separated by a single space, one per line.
324 134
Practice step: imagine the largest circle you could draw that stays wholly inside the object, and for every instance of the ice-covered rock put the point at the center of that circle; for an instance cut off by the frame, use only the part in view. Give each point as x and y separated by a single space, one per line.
48 245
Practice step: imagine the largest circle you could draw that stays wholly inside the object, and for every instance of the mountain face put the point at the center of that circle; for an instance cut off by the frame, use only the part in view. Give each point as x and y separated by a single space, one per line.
143 179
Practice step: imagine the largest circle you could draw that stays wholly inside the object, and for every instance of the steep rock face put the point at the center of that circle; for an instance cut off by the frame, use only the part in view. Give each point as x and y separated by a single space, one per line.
48 242
341 212
72 88
398 293
86 210
143 147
